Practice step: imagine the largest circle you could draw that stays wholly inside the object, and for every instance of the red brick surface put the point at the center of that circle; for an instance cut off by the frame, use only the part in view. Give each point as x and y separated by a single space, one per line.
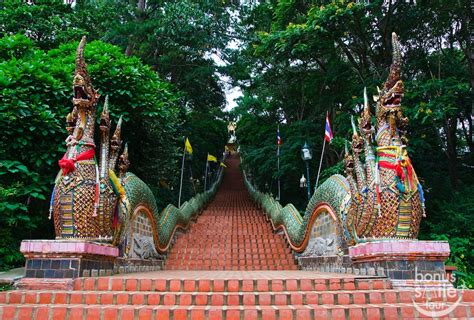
231 234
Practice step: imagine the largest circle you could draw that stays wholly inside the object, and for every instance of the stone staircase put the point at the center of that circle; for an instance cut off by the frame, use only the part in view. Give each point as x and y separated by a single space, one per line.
226 295
230 265
231 234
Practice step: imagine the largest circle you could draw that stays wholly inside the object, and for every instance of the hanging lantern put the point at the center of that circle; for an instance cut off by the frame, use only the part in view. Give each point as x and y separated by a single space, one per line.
303 182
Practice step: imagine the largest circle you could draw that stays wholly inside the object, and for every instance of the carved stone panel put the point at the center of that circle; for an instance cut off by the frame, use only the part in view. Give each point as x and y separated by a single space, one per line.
323 240
142 245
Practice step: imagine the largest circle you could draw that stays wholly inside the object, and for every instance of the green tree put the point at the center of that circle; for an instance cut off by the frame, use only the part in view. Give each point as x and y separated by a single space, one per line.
35 89
300 59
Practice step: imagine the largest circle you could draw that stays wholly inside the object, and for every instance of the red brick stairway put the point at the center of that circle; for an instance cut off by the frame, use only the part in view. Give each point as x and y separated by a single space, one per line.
231 234
224 295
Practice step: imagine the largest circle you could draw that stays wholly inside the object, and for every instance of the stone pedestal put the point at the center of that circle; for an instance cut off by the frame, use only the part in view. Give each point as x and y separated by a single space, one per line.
65 260
339 264
407 263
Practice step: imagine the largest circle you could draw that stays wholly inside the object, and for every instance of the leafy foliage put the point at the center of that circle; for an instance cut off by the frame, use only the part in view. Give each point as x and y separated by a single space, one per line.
301 59
35 95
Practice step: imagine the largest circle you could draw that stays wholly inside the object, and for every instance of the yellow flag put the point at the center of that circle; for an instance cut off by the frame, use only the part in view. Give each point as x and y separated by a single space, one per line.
211 158
223 165
188 147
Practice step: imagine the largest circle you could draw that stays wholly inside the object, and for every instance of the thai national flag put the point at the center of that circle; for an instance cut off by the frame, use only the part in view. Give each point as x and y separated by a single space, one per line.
327 132
279 142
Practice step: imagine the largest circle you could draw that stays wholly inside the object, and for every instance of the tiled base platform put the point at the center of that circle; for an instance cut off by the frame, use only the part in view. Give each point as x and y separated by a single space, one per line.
60 259
227 295
404 261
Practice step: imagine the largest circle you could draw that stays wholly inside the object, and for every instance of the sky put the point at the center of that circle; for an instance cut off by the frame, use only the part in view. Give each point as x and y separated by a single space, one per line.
231 92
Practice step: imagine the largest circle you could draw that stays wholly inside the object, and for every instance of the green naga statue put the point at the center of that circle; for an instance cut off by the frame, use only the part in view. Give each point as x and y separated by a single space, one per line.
387 198
378 198
97 199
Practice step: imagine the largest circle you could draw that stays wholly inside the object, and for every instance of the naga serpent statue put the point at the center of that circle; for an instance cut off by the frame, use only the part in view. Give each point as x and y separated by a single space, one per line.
380 198
90 201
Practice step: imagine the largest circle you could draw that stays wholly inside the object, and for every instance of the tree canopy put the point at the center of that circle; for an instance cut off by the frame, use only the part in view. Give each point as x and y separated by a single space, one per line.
301 59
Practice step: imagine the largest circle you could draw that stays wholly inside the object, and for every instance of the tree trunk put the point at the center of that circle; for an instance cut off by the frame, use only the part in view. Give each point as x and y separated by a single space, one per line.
451 139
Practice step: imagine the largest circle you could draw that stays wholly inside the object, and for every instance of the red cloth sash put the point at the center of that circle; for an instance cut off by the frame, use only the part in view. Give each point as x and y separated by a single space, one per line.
398 168
67 165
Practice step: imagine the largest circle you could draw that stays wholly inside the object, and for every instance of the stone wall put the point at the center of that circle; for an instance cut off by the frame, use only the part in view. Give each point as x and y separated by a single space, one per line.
323 239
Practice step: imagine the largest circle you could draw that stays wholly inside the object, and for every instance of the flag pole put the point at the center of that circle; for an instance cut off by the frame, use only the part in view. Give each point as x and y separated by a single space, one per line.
320 163
205 175
181 181
192 179
278 165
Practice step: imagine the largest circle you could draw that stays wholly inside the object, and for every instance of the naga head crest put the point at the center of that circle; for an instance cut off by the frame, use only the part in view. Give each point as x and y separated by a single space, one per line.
348 160
116 142
124 163
357 143
105 117
392 93
85 95
365 123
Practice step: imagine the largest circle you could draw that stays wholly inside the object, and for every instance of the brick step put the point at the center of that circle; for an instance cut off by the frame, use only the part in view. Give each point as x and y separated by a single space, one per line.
235 262
231 239
228 254
297 312
255 249
228 242
242 267
229 298
222 256
234 268
234 247
230 263
216 254
232 233
252 259
229 285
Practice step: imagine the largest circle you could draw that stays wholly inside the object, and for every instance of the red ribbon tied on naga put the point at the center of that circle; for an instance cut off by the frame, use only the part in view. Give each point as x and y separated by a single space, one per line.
398 168
68 165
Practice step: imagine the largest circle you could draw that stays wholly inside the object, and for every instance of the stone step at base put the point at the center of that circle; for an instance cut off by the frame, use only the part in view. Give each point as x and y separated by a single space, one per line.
398 311
224 281
183 298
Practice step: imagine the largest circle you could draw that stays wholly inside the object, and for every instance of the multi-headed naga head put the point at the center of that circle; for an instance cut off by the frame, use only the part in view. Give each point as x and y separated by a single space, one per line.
348 160
85 96
116 141
389 115
393 90
105 117
123 162
357 143
365 122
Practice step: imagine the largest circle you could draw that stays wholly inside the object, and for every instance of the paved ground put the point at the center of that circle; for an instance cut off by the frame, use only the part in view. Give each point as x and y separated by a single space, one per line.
8 277
196 275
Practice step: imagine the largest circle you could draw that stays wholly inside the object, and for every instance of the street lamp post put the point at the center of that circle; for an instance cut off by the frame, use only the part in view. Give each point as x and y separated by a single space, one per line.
307 155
